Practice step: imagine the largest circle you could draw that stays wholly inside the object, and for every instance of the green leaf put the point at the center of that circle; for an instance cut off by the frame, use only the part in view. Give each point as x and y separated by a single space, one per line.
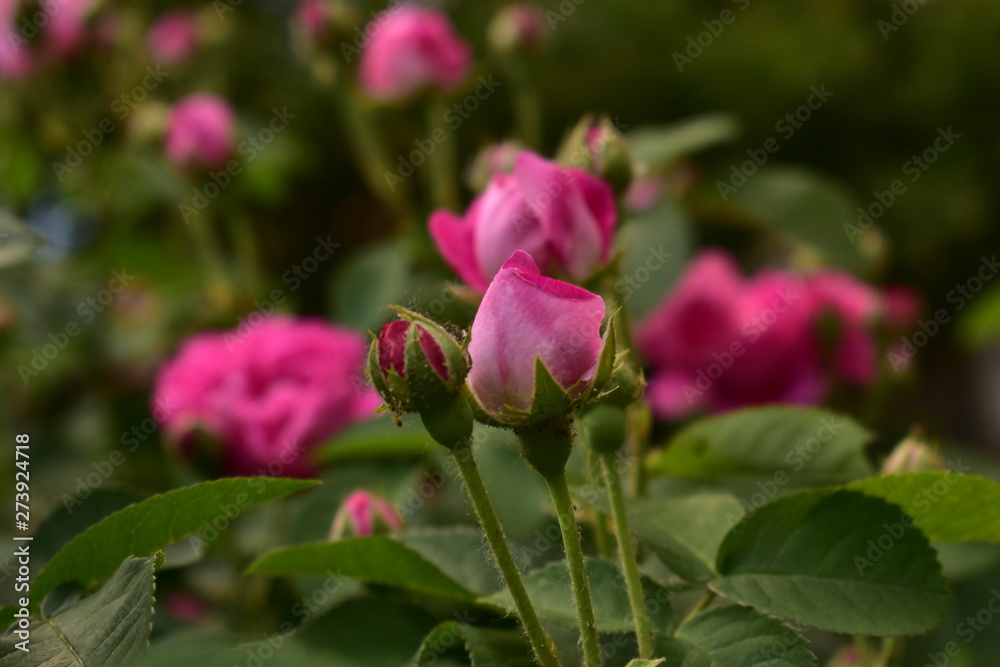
461 551
368 632
549 588
110 627
946 506
377 439
979 326
730 636
378 560
686 532
151 525
807 211
486 648
656 244
659 146
807 444
645 663
837 560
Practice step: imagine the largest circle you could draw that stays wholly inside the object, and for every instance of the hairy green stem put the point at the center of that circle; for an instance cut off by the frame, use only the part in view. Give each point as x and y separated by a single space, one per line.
540 641
630 566
586 619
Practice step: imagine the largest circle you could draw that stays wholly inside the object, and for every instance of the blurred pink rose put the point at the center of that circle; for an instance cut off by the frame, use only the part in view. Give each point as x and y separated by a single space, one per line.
563 217
525 316
313 17
410 47
173 37
517 27
36 34
720 341
186 607
901 307
200 131
268 395
362 510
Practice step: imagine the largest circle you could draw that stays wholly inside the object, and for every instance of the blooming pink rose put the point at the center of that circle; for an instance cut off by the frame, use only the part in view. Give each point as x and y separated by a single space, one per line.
563 217
720 341
173 37
526 316
50 34
199 131
411 47
362 509
269 395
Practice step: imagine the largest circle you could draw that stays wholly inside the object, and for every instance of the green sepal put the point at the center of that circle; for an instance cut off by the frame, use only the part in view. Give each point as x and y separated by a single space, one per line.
478 413
427 388
551 400
606 359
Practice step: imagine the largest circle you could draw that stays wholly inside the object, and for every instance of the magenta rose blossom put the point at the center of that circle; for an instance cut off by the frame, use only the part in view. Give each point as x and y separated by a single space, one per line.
720 341
563 217
270 396
63 28
199 131
173 37
411 47
526 316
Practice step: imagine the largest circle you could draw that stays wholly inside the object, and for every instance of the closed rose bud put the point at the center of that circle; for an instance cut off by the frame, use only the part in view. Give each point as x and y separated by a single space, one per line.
913 455
173 37
417 366
527 321
364 514
410 48
563 217
518 27
199 132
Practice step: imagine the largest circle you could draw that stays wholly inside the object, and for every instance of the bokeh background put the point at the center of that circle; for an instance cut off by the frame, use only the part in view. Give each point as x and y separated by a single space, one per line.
61 238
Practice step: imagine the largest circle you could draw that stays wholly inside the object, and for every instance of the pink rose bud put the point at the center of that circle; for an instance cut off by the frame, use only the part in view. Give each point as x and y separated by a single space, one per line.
417 366
526 317
364 513
199 132
313 18
268 392
563 217
518 27
913 455
409 48
173 37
